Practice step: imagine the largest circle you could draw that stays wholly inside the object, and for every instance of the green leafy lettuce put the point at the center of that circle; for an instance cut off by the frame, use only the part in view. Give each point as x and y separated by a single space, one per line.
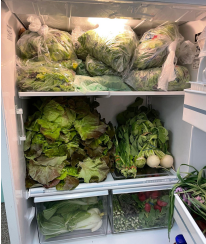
61 134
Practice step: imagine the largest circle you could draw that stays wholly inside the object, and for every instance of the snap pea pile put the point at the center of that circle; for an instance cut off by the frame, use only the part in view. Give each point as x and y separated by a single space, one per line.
121 221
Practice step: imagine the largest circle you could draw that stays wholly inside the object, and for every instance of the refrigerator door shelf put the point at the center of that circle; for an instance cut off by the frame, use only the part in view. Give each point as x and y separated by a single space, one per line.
194 111
187 224
108 184
105 94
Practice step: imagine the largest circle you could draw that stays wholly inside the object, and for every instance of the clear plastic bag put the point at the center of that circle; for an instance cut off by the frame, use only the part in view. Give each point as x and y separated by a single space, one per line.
147 80
168 69
80 51
114 46
98 68
186 53
44 78
42 61
54 44
152 49
99 83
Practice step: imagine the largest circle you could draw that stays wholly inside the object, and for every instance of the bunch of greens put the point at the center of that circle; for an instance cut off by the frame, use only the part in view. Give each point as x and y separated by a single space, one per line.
98 68
114 46
100 83
67 140
147 80
152 49
56 45
139 134
44 78
70 215
192 190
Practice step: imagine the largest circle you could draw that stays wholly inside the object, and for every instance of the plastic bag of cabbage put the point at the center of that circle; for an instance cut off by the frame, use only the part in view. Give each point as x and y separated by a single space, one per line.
114 46
70 215
147 80
99 83
56 45
152 49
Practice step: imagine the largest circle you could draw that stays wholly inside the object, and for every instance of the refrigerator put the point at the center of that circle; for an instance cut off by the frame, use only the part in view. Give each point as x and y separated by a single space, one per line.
183 113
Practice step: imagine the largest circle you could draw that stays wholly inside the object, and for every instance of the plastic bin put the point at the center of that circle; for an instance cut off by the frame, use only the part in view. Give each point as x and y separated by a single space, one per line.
139 209
60 221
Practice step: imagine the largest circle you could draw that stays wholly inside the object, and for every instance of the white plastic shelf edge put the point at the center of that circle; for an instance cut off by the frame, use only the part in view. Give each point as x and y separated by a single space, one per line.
101 94
108 184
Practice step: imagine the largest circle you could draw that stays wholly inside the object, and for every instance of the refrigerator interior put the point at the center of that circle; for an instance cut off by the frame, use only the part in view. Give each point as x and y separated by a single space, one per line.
187 143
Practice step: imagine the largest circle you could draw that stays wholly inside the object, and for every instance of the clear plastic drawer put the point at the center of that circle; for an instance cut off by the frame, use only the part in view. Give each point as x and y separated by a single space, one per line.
72 218
138 209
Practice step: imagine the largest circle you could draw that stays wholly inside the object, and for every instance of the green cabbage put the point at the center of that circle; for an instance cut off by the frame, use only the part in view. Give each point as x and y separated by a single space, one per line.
112 46
147 80
152 49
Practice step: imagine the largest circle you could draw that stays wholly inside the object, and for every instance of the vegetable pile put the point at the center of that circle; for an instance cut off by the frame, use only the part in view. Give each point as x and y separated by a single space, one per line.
140 139
56 45
70 215
140 210
45 78
192 190
147 80
152 49
112 46
66 139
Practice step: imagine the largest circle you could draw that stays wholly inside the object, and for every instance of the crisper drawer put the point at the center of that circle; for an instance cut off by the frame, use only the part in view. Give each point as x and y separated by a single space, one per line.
188 226
71 217
139 208
194 111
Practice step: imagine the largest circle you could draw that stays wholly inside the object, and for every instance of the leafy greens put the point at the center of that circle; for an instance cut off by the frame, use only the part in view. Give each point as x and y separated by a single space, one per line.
66 140
139 135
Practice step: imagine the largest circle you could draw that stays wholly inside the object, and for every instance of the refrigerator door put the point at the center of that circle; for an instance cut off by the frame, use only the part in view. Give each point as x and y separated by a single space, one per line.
18 208
187 224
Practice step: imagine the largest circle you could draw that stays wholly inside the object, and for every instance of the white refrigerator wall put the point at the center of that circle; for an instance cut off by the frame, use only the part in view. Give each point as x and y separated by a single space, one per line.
13 164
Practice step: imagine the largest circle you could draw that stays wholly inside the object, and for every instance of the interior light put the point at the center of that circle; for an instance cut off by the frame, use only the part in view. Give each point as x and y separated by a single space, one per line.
107 22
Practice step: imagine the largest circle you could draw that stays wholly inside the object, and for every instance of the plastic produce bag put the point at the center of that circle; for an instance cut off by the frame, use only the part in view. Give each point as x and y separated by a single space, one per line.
99 83
113 46
98 68
42 61
45 78
81 70
147 80
152 49
186 53
54 44
80 51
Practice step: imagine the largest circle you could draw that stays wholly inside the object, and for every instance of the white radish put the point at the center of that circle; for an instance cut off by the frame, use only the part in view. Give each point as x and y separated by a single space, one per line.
97 226
153 161
167 161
